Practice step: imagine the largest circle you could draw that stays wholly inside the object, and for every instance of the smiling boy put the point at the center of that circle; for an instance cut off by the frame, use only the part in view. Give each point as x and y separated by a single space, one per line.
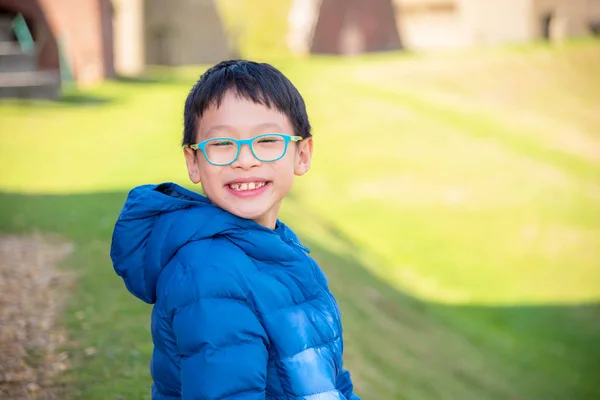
241 311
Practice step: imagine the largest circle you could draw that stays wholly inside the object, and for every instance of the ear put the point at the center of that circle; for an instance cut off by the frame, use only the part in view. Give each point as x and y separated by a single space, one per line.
303 156
193 166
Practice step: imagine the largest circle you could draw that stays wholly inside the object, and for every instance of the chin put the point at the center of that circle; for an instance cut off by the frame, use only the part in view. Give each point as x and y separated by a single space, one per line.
252 213
255 209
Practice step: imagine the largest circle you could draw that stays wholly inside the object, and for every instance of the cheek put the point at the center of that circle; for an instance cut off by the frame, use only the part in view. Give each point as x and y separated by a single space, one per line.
284 171
209 175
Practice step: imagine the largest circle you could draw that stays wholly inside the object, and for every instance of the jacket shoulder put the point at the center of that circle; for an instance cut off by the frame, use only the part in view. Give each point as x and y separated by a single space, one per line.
215 253
204 269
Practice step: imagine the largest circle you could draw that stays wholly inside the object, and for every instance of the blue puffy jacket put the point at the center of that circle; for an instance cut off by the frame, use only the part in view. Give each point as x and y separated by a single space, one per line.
240 311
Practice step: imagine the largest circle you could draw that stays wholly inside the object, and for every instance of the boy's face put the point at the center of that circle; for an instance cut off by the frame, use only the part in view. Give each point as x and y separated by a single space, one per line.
239 119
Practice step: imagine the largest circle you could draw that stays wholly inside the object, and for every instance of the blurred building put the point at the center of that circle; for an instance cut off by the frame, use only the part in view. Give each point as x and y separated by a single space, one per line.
90 40
336 27
430 24
343 26
174 32
74 35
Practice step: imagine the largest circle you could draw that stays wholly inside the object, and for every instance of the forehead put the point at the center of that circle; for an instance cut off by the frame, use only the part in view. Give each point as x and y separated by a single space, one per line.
242 117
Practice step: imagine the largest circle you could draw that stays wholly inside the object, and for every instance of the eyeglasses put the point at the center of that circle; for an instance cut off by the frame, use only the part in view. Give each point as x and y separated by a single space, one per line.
268 147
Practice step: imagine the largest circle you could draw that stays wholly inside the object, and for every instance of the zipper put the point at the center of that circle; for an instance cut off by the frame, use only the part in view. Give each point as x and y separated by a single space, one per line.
295 243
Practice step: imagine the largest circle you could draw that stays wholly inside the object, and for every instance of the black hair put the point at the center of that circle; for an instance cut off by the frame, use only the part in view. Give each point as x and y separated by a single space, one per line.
259 82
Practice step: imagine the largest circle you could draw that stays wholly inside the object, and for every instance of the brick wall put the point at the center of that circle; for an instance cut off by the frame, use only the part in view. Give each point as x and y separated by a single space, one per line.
83 29
355 26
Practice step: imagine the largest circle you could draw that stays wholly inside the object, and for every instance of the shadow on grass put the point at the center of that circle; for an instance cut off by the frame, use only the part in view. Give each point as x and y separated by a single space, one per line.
153 76
397 346
69 97
84 99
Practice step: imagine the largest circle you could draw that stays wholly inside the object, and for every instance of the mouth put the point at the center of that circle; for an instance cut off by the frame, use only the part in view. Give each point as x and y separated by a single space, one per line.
247 188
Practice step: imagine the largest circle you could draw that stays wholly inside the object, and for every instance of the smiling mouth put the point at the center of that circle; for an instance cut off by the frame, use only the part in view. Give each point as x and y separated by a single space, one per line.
246 186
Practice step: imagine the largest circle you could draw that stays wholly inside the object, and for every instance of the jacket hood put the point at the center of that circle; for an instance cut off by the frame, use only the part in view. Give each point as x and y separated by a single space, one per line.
157 220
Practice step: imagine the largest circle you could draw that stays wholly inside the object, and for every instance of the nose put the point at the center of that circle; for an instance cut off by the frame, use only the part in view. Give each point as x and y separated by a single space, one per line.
246 159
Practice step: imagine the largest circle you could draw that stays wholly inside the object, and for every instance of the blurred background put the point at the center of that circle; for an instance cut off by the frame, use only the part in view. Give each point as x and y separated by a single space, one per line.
454 199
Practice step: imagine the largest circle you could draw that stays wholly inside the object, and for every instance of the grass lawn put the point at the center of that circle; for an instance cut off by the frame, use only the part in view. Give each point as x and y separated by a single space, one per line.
454 202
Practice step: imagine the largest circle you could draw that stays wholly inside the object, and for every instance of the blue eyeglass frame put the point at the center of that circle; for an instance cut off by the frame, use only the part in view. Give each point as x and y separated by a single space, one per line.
287 139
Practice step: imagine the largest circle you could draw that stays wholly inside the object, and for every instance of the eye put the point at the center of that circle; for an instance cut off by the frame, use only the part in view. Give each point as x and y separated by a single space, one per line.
220 142
270 139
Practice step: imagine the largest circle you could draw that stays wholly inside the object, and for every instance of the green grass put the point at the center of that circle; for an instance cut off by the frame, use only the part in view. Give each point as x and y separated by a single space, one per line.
454 203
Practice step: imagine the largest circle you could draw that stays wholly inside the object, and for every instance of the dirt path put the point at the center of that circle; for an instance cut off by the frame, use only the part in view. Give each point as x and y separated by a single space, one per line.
32 295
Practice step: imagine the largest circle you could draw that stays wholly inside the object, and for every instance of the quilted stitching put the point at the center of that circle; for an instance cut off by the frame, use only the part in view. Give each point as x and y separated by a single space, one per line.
240 311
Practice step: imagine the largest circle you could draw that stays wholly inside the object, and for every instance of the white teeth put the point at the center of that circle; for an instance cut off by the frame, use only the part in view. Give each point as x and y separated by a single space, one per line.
247 186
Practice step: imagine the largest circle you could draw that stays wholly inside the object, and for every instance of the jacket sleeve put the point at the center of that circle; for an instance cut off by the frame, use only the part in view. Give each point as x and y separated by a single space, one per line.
344 385
219 338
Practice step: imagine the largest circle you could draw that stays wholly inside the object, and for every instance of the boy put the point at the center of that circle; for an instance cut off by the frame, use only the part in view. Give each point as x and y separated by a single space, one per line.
240 309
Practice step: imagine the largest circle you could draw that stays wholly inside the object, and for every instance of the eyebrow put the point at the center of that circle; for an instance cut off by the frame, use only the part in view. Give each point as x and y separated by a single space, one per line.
267 125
